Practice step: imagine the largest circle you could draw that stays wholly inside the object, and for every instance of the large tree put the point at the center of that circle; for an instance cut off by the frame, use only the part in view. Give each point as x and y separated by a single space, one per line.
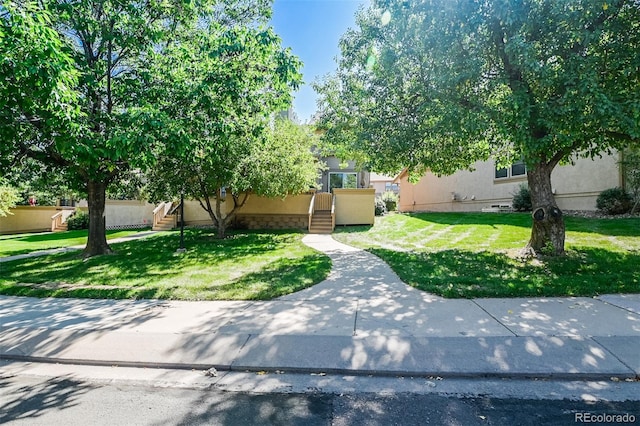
226 84
440 84
117 125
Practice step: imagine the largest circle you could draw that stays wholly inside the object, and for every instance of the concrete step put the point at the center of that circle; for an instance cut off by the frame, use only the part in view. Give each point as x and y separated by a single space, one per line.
163 227
320 231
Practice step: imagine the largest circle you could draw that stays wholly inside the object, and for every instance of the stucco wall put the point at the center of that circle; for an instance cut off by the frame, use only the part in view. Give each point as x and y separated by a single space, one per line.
28 219
258 212
293 204
355 206
118 214
128 214
576 187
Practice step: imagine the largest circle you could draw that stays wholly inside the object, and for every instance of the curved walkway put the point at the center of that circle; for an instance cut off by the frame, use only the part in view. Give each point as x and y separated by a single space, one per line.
355 274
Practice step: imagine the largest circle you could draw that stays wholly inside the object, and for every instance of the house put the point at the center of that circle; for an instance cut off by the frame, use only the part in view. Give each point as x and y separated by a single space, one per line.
576 186
383 183
342 175
341 197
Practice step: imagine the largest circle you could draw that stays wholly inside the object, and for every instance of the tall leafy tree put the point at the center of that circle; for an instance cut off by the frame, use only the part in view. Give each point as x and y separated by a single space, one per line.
440 84
37 96
117 124
225 85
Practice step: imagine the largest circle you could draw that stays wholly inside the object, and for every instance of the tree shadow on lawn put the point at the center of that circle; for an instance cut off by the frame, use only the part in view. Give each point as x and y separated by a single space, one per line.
466 274
475 218
133 267
611 226
285 276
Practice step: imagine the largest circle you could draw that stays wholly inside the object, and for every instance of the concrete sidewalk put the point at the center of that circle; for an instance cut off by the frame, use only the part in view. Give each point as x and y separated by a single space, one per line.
361 320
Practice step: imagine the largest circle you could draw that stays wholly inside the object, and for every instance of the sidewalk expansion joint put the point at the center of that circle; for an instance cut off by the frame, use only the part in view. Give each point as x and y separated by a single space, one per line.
595 340
355 319
494 318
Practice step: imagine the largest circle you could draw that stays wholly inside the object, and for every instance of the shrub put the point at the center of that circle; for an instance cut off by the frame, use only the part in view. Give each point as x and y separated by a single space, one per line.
8 199
390 200
79 220
381 207
522 199
614 201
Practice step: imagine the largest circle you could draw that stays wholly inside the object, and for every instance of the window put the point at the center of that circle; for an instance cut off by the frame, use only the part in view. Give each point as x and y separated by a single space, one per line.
391 187
517 169
343 180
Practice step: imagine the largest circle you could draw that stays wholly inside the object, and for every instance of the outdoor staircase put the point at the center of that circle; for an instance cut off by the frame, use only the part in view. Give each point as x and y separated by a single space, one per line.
61 227
59 220
167 223
321 222
322 215
165 217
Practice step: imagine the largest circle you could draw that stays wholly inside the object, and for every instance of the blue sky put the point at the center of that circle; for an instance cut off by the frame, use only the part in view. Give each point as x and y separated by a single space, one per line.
312 29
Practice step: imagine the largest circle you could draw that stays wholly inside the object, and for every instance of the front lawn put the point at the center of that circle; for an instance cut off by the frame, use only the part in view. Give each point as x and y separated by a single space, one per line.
473 254
11 245
246 266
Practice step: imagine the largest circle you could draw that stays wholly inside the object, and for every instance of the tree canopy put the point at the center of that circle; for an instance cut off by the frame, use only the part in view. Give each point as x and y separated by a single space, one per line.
84 93
221 86
440 84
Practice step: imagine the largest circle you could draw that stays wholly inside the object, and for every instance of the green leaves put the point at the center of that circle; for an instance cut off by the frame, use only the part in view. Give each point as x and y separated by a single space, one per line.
441 84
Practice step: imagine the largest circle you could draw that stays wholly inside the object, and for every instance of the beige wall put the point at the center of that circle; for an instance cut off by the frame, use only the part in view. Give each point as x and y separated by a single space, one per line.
29 219
576 187
261 210
293 204
118 214
355 206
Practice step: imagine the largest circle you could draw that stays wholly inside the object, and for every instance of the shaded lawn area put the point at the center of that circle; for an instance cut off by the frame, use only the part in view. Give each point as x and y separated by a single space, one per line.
466 255
246 266
11 245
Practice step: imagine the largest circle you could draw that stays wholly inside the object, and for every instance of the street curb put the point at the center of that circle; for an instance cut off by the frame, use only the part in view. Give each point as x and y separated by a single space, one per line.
329 371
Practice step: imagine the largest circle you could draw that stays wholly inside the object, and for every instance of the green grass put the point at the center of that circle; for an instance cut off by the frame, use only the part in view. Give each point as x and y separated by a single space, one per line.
11 245
465 255
246 266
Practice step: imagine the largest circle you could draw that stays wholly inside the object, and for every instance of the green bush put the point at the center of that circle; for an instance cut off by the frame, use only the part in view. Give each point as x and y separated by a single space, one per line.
521 201
390 200
614 201
79 220
381 207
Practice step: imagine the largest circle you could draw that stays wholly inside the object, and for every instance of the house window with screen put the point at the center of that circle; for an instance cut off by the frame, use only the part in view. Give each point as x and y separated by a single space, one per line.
517 169
343 180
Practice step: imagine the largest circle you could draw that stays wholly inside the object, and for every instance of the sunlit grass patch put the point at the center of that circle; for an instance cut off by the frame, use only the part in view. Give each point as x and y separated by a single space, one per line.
247 265
471 254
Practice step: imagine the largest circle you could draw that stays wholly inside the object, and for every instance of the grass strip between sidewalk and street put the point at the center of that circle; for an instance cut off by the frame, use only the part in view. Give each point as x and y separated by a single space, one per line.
247 265
468 255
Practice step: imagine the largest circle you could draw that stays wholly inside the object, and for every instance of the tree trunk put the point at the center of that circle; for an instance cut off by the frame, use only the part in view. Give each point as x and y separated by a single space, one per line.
97 239
547 231
222 221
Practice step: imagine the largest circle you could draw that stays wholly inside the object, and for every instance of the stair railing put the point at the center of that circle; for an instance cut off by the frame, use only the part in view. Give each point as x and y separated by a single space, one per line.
333 213
56 221
175 213
312 205
160 212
